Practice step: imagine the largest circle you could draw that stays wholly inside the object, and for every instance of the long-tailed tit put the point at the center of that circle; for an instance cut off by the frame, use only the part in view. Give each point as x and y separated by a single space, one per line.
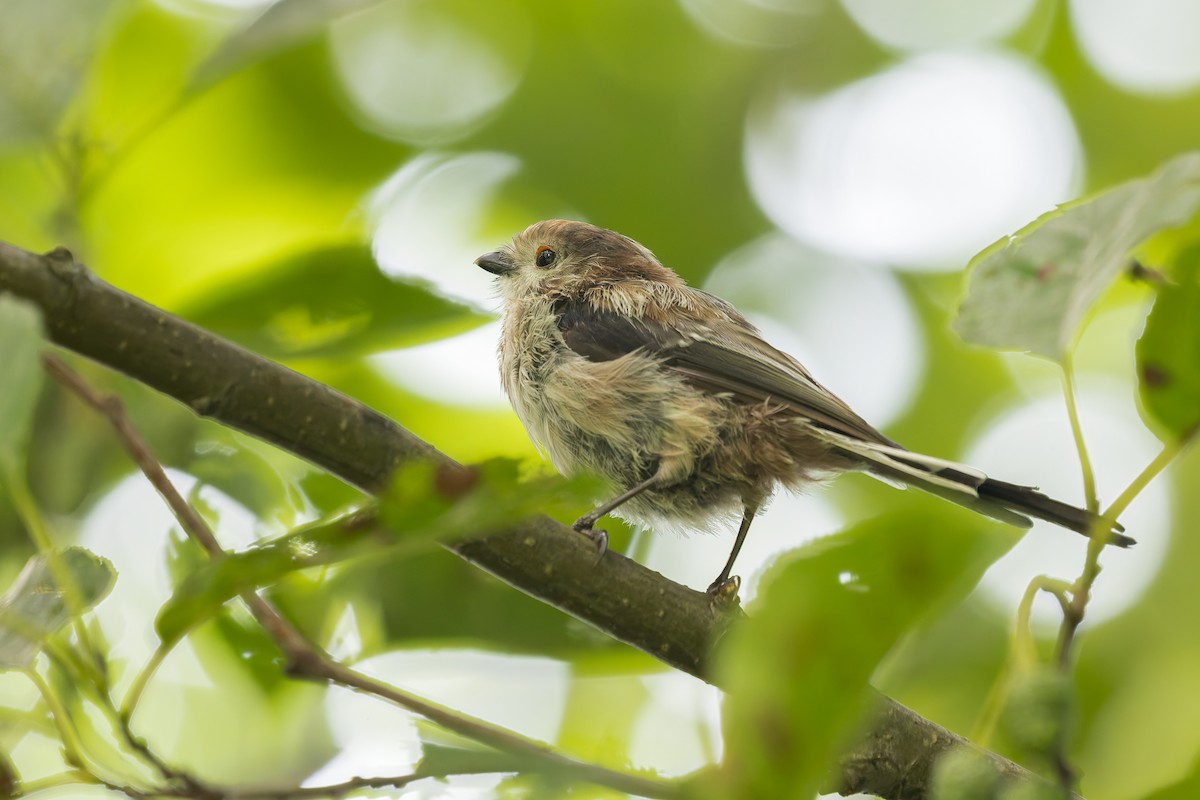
617 367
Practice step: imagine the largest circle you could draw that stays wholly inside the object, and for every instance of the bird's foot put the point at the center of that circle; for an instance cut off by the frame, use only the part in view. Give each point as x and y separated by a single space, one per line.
724 591
598 536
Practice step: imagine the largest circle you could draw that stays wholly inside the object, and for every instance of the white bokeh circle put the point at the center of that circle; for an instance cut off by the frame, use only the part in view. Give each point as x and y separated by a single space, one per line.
925 24
1032 444
427 71
762 23
851 325
922 165
1151 46
212 8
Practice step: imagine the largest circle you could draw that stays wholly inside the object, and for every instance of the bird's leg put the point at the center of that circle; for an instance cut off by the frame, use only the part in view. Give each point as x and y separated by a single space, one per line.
584 524
724 586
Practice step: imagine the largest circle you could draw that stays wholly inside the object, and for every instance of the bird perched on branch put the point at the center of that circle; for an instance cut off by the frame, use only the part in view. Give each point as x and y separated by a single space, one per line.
617 367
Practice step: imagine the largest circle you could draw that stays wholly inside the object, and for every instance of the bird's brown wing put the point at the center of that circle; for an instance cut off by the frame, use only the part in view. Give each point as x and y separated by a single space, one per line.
723 357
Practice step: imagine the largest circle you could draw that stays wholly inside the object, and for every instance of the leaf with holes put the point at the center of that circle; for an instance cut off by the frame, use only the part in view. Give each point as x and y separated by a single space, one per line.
1033 290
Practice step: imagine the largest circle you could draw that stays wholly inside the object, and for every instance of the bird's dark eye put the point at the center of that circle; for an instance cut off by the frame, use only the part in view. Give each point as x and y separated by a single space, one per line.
545 256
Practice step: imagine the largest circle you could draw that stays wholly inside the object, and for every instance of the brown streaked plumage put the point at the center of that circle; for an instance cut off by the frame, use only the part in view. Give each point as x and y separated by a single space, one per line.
616 366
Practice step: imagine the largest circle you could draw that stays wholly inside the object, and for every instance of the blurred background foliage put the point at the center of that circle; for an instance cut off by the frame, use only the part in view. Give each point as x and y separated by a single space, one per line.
313 178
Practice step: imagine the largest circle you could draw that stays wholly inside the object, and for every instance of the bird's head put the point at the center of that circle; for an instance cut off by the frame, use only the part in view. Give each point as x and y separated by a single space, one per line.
563 257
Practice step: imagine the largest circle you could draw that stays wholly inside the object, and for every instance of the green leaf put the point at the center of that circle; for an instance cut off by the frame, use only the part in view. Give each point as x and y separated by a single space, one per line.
331 303
1032 291
964 774
431 599
283 24
797 669
1168 354
1032 790
425 499
1039 709
255 651
237 633
20 374
470 759
425 503
274 485
36 606
213 583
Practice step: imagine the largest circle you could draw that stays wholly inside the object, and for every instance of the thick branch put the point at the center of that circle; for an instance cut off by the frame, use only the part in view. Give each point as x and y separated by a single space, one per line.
542 558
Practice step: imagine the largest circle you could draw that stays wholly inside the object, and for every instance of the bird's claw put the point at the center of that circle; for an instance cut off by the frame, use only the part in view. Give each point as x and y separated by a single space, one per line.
724 591
598 536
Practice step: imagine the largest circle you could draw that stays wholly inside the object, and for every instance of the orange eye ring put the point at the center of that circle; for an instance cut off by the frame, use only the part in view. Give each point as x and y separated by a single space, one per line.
545 256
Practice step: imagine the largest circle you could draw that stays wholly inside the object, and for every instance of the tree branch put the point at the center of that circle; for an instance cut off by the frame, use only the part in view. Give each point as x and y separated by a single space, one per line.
542 558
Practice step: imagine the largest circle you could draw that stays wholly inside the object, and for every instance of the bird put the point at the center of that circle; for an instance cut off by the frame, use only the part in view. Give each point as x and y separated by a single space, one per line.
616 367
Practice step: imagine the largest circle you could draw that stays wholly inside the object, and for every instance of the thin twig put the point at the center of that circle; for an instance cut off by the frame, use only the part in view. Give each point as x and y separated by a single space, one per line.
111 407
503 740
287 637
73 750
1022 655
332 790
121 725
1081 589
1090 497
56 781
134 693
75 756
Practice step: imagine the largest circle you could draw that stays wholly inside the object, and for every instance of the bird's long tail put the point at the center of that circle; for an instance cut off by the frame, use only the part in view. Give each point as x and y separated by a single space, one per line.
967 486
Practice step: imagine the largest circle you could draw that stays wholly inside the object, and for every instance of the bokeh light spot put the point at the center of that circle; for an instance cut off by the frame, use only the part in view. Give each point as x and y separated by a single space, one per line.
924 24
922 165
1151 46
428 71
764 23
209 7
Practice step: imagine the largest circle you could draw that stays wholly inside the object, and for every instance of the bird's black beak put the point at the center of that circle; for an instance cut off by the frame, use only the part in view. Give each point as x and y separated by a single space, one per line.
497 262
